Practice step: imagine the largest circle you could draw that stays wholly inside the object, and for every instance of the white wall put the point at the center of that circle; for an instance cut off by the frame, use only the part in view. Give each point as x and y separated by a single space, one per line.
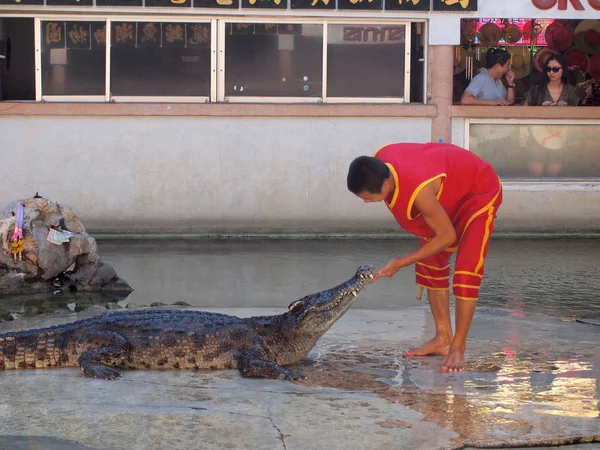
199 174
163 174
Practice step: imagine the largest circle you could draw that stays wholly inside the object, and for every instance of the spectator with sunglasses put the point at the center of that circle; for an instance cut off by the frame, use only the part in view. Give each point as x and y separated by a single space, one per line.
486 88
545 145
554 90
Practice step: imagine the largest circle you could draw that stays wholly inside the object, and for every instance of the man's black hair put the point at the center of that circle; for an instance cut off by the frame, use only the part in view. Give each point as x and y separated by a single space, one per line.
367 174
496 56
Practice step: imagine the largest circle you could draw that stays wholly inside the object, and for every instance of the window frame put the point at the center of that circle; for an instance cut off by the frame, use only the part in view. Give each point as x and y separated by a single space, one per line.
222 98
108 97
217 79
407 56
324 98
37 36
519 121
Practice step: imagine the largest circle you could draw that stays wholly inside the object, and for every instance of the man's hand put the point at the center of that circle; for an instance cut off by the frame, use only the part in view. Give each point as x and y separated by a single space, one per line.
435 216
390 268
510 77
499 102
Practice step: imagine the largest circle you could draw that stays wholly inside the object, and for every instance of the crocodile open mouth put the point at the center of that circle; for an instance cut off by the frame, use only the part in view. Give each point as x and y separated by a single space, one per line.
330 299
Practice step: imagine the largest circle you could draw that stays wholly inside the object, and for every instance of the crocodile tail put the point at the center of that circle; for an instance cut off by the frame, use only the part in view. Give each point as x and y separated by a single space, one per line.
34 349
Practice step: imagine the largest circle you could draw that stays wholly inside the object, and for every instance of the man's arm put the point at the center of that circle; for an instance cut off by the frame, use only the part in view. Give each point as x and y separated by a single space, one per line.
435 216
469 99
510 91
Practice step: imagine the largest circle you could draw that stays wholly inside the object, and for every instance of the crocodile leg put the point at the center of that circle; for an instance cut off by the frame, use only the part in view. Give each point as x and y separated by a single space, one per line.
253 365
106 349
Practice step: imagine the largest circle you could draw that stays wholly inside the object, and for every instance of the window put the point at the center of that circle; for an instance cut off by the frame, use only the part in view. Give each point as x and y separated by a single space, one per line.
273 60
366 61
222 60
538 150
73 58
160 59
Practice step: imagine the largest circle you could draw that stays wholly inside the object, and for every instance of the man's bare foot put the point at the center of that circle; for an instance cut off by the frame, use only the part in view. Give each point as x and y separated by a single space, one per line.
455 362
436 346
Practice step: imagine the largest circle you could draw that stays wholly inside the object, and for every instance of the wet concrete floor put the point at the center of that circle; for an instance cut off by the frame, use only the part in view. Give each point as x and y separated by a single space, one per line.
533 357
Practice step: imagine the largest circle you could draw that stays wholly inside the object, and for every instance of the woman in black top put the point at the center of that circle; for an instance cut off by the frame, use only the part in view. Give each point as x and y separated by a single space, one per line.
555 89
547 144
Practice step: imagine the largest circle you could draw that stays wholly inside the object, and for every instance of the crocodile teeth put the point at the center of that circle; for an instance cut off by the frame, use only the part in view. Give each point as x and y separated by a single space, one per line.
354 293
370 275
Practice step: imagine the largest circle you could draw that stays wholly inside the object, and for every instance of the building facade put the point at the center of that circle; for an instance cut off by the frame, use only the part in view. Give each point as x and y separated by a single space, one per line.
243 115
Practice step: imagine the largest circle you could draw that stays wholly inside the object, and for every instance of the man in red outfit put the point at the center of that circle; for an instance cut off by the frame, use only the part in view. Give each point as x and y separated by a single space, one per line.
449 197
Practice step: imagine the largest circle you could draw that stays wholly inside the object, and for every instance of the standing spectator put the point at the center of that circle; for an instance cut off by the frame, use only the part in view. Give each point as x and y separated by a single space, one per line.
546 144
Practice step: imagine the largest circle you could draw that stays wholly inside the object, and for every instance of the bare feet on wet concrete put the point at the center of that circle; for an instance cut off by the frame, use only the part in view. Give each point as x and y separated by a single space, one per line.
435 347
455 362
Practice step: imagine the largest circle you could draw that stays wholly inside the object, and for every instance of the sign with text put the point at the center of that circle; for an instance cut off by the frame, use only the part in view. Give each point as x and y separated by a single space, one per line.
123 34
78 35
455 5
69 2
118 2
148 34
549 9
173 34
408 5
313 4
197 34
53 35
98 32
258 4
21 2
366 34
539 9
542 9
563 5
171 3
370 5
216 4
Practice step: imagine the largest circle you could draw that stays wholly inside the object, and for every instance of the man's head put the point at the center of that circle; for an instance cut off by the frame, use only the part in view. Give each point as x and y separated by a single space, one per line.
497 62
370 179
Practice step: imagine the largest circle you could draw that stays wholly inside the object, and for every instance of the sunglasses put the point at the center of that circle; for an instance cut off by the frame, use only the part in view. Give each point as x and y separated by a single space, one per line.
553 69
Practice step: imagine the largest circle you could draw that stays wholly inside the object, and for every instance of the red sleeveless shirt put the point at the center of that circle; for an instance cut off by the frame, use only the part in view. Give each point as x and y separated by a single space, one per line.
470 186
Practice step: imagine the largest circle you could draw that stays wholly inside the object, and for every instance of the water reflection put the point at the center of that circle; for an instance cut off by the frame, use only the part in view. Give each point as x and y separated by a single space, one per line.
502 398
555 277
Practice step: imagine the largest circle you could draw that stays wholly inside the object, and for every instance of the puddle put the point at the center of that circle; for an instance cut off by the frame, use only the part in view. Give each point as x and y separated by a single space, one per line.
495 401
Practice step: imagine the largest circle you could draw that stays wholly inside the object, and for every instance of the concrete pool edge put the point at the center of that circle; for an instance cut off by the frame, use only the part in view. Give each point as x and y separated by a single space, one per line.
320 236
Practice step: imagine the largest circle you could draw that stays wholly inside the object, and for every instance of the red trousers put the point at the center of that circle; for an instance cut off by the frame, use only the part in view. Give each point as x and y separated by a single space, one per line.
471 250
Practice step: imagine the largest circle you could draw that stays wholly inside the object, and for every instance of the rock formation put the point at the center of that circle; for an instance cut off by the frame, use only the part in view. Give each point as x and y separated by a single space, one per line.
54 252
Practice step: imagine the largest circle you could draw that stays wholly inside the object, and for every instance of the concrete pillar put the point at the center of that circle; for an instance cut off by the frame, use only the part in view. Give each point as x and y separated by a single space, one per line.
441 62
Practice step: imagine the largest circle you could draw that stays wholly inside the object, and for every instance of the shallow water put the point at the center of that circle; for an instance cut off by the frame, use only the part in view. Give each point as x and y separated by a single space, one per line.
530 378
558 277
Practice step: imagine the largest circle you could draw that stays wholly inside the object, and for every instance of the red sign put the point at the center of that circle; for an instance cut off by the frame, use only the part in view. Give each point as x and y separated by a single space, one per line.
563 4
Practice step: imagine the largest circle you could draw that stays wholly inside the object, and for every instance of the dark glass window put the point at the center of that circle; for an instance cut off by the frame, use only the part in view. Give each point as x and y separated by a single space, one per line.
365 60
273 60
73 58
160 59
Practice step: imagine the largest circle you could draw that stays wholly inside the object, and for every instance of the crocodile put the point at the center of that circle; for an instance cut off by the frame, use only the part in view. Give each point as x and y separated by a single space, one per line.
258 346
